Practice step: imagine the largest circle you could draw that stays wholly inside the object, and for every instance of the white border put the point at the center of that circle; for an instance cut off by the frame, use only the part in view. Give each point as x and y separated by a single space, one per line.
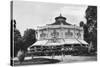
5 33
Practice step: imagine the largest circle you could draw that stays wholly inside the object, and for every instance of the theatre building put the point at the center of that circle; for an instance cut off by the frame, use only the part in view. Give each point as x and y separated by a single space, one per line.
57 37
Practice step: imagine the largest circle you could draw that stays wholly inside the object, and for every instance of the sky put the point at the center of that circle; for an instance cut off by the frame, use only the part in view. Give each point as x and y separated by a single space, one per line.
32 14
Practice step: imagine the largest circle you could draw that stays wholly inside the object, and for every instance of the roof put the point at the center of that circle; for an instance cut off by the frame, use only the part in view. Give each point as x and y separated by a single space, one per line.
59 23
58 42
60 20
60 17
75 41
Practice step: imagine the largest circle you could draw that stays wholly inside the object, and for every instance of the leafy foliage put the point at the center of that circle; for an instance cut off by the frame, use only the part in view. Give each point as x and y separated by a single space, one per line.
81 24
90 29
29 37
18 42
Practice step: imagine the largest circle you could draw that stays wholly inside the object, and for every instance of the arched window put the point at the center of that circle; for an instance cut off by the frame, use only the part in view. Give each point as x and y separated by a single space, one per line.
43 35
68 33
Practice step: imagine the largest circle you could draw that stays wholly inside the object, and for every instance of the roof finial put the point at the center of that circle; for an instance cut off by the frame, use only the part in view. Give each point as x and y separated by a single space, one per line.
60 14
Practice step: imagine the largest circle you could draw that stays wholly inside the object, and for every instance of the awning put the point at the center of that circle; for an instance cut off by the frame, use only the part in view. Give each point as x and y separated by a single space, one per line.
71 41
83 42
38 43
75 41
48 42
41 43
55 42
58 42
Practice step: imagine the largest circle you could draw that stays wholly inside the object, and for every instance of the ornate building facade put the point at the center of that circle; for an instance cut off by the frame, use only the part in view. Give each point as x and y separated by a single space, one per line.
59 33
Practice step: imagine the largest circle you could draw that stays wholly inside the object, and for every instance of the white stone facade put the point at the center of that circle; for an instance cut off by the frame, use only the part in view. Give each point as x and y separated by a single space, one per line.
59 31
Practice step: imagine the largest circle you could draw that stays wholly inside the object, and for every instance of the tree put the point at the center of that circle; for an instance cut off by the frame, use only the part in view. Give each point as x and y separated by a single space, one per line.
29 37
91 16
18 42
81 24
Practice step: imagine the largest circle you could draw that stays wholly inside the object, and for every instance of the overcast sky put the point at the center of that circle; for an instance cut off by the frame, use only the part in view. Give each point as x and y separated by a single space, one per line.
33 14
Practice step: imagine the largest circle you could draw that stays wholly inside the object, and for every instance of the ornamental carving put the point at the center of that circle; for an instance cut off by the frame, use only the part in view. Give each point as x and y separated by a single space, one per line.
55 34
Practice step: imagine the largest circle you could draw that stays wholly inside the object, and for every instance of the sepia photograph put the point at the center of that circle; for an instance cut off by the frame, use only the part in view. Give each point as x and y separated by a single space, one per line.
52 33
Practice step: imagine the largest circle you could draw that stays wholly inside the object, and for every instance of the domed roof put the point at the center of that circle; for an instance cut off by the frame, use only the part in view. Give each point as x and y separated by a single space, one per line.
60 17
60 20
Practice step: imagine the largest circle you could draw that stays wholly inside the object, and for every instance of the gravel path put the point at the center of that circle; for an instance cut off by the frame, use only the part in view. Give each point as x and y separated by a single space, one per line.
64 59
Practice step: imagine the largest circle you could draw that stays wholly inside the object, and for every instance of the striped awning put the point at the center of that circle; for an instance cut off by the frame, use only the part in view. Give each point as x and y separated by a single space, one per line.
75 41
71 41
58 42
83 42
41 43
